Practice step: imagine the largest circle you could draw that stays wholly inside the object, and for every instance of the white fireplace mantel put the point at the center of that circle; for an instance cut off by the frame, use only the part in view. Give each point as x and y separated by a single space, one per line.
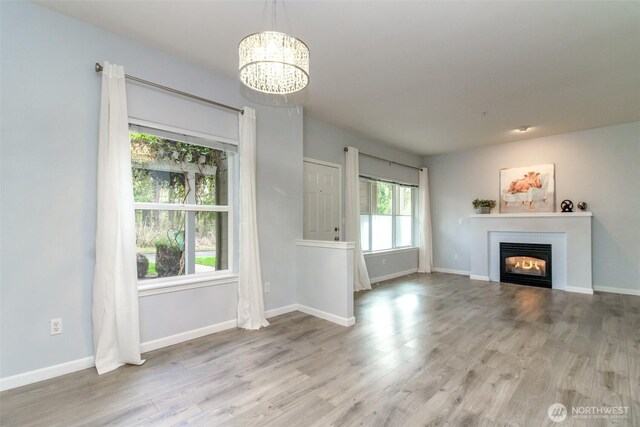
568 233
534 215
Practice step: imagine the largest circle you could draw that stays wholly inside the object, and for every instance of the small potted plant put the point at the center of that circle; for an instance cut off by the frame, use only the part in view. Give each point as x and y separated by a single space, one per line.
483 206
169 254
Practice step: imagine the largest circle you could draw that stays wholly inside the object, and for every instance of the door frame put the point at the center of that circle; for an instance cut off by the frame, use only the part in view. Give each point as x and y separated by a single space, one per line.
339 167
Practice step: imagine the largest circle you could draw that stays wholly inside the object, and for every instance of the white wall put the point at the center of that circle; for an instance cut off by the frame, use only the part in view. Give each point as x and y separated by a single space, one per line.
599 166
325 285
50 101
326 142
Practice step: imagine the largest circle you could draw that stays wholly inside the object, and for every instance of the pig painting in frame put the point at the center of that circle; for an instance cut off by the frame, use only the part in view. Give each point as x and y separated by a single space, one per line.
528 189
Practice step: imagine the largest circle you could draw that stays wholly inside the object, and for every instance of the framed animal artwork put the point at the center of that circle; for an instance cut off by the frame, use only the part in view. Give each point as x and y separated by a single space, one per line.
529 189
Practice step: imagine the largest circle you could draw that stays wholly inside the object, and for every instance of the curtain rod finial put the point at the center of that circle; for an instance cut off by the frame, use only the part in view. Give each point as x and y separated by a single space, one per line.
98 67
346 148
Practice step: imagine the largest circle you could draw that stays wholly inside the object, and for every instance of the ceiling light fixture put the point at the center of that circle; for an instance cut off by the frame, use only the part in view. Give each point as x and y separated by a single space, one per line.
524 128
274 62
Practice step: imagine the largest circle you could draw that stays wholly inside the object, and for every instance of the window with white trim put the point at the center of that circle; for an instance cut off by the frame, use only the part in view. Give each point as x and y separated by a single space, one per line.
386 215
182 193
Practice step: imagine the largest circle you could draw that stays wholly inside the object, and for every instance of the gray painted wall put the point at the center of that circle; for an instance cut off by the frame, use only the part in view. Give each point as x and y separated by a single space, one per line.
279 193
382 264
326 142
599 166
326 280
50 103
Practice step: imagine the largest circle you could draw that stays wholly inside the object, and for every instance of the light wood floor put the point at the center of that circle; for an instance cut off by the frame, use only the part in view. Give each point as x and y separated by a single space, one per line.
427 350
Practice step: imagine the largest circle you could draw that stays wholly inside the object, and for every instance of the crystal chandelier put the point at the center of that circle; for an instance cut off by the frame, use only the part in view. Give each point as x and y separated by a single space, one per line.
274 62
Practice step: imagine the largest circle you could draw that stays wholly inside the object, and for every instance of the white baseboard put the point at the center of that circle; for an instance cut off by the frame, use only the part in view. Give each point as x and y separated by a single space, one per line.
578 290
450 271
45 373
343 321
476 277
392 275
281 310
207 330
624 291
187 335
42 374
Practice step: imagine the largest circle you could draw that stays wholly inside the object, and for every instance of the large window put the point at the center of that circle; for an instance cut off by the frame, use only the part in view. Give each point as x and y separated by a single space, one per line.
386 215
181 200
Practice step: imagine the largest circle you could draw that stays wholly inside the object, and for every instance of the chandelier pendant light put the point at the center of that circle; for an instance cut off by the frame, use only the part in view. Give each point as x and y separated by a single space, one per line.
274 62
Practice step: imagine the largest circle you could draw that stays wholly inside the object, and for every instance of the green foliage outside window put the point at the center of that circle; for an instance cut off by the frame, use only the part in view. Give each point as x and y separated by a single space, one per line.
153 184
383 195
148 148
160 169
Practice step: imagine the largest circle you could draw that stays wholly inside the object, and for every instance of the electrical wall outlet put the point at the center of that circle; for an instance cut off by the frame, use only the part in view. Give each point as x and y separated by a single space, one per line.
267 287
56 326
384 261
460 221
455 257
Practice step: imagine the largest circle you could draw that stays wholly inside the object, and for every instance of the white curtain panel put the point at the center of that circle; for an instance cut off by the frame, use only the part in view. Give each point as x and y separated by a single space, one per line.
116 329
352 220
250 300
425 254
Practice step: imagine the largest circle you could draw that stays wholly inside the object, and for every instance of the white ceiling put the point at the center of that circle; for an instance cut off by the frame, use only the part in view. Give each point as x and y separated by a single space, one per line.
419 75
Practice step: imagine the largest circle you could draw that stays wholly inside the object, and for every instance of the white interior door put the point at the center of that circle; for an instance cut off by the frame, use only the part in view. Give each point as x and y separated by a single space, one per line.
321 200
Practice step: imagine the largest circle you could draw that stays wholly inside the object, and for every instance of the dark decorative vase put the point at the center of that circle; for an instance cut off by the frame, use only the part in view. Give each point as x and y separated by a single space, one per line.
142 264
168 261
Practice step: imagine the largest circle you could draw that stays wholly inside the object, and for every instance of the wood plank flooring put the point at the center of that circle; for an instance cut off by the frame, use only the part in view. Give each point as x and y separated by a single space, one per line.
433 349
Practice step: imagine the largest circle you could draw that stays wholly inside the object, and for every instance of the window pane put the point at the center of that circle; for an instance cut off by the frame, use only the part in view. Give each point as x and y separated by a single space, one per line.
383 198
164 171
404 231
211 241
404 201
212 185
160 243
364 232
365 197
381 233
156 186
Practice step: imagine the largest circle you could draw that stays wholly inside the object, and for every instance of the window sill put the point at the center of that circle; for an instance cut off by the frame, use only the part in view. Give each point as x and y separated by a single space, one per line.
163 286
390 251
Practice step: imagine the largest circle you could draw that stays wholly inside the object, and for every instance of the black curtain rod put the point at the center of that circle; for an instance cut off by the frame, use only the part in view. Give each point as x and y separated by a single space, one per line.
385 160
388 181
99 69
